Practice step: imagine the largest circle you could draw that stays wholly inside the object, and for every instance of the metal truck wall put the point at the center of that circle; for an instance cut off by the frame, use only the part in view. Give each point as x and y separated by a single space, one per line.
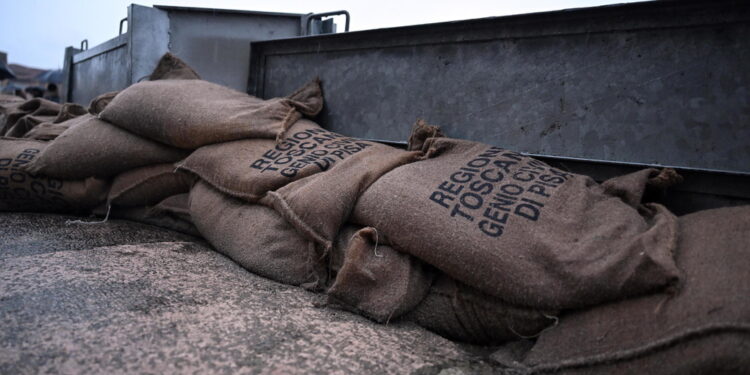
217 46
214 42
657 83
118 62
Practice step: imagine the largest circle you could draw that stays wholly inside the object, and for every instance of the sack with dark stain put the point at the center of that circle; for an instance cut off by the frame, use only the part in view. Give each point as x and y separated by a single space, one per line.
703 328
147 186
96 148
256 237
515 228
193 113
373 279
21 191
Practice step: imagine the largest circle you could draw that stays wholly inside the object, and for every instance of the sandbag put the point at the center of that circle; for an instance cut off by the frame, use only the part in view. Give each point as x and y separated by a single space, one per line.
318 205
24 192
97 105
375 280
172 213
168 67
256 237
459 312
177 205
147 186
95 148
69 111
648 184
520 230
193 113
33 107
48 131
25 124
172 67
248 168
703 328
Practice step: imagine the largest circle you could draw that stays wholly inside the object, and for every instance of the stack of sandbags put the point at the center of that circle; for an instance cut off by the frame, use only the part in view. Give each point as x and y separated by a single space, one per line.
72 172
36 118
179 112
517 229
386 287
475 242
240 176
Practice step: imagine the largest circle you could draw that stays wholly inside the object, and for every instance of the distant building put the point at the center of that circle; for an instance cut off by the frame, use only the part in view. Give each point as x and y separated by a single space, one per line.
14 77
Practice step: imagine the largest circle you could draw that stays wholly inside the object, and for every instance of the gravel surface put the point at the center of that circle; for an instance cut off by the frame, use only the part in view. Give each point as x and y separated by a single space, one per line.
124 297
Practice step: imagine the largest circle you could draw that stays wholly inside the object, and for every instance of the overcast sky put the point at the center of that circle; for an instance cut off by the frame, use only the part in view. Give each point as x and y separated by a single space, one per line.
36 32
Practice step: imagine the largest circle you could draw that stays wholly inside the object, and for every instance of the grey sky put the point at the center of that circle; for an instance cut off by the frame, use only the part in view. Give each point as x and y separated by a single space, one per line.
36 32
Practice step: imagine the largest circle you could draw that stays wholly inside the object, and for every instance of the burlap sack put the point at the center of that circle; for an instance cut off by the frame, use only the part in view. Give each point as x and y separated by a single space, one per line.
168 67
318 205
420 132
249 168
702 329
23 192
147 186
517 229
256 237
462 313
193 113
647 184
69 111
48 131
96 148
98 104
172 213
34 107
25 124
375 280
177 205
171 67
